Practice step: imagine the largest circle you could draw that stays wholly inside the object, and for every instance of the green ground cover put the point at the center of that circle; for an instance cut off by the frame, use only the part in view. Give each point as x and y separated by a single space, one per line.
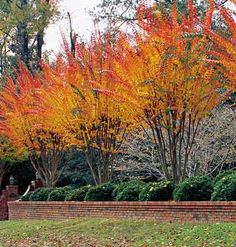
114 233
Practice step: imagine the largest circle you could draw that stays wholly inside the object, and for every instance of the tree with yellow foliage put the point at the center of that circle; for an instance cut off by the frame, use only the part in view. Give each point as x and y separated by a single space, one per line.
88 102
166 63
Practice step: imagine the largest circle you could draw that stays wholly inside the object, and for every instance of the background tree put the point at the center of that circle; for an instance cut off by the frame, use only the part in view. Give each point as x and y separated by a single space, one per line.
214 149
140 156
22 26
75 170
115 14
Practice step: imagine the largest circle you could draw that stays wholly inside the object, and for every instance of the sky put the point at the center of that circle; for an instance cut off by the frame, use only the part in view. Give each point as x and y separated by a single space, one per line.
81 21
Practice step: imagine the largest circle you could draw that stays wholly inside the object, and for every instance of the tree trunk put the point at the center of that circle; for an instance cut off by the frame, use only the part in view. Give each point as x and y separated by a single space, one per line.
40 43
3 170
47 171
23 39
100 170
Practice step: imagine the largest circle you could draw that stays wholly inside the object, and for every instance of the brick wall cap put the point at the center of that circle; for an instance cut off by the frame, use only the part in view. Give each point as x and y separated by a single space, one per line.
126 203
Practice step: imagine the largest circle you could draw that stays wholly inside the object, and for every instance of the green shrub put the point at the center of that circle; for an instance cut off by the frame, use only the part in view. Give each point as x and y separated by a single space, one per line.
223 174
40 194
78 194
161 191
100 193
121 186
59 194
26 197
225 189
197 188
130 191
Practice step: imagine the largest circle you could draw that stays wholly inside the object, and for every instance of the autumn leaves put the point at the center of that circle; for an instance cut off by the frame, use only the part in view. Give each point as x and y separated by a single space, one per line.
161 80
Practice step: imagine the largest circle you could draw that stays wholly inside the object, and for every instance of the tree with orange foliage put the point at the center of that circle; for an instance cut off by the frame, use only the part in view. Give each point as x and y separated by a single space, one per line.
166 63
89 103
23 124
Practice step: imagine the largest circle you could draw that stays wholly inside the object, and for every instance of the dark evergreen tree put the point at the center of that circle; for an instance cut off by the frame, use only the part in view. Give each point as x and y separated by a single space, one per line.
23 24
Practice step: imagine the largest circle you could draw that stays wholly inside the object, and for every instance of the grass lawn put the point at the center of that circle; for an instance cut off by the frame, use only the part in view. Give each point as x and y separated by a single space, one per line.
107 232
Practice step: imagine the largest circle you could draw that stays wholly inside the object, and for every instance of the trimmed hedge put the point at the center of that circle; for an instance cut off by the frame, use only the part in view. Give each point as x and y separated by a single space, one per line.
77 194
100 193
129 191
120 187
40 194
225 188
159 191
197 188
59 194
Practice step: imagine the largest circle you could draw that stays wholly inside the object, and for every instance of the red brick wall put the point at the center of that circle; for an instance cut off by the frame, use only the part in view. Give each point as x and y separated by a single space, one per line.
160 211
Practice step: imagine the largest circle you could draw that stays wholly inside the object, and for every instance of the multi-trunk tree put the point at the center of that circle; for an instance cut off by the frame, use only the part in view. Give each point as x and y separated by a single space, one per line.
93 111
23 123
166 63
106 127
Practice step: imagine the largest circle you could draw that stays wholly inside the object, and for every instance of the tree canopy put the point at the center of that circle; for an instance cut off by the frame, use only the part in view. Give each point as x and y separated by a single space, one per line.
165 79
